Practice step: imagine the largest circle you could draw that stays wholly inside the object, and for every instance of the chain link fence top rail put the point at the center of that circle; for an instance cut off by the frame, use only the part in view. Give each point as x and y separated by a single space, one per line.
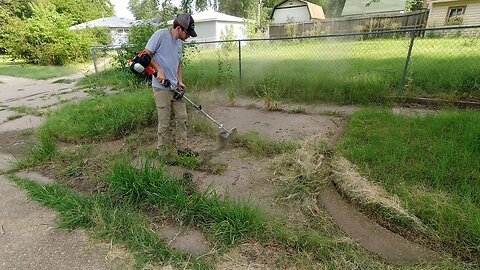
343 68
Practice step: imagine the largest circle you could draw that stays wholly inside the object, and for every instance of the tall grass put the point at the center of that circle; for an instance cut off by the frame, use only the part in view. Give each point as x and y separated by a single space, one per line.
114 221
224 219
101 118
431 162
345 71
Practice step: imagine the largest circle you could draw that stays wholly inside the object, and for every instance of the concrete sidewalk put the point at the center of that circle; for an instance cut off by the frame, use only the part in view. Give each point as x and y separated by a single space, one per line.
29 237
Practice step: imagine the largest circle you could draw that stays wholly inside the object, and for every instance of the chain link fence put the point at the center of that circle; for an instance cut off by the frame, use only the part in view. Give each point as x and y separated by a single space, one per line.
344 68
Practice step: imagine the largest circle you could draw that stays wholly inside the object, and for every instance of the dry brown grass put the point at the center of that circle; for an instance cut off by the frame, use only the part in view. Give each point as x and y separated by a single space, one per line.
365 193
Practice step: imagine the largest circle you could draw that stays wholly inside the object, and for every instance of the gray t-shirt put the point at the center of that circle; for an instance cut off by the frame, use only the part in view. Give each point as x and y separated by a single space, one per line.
167 52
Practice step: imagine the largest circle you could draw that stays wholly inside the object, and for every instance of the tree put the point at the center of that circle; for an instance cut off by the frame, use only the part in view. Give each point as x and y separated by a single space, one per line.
413 5
83 11
144 9
198 5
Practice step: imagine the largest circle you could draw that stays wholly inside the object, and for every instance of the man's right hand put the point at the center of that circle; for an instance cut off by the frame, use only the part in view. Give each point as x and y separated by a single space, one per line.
161 76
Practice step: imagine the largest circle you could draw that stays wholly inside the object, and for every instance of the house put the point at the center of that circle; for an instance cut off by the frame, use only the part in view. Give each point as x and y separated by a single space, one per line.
118 28
453 12
367 7
210 25
297 11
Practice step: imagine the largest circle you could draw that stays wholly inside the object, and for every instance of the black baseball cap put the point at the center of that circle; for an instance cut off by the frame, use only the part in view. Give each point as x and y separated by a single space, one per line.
185 20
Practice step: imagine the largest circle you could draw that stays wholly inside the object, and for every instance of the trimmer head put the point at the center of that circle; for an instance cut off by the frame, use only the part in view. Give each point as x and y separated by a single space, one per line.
226 136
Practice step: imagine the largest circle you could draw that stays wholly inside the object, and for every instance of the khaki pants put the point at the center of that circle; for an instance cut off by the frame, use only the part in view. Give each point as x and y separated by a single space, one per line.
172 115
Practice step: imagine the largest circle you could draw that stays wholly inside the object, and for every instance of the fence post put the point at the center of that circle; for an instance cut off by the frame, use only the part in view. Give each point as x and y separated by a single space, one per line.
94 57
240 62
407 62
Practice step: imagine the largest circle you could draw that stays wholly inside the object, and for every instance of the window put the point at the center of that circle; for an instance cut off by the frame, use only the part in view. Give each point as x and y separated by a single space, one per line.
455 15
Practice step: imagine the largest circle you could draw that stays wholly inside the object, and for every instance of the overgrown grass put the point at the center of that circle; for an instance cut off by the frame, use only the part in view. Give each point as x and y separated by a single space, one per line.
224 219
431 162
117 78
113 221
261 147
20 69
345 71
101 118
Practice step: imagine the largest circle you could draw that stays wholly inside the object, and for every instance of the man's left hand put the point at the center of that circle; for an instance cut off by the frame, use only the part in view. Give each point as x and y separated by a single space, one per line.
179 93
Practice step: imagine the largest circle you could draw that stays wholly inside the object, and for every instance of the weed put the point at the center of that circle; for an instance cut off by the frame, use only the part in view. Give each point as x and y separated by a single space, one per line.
297 109
66 81
13 117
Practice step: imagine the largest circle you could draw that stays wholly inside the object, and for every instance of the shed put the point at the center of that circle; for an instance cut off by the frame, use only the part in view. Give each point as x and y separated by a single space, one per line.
453 12
118 28
210 25
360 8
297 11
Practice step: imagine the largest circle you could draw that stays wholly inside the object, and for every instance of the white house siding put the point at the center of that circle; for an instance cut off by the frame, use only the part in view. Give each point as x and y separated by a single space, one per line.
206 31
239 31
438 12
294 11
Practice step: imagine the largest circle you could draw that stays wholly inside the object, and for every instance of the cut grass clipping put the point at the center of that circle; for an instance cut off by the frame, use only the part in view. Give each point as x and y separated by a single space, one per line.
431 163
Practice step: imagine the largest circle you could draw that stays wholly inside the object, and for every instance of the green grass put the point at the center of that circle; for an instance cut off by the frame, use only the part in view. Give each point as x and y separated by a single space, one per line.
38 72
345 71
261 147
112 221
101 118
431 162
115 78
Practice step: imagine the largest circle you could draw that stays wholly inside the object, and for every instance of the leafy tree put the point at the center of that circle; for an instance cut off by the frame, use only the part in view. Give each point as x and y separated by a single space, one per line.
413 5
83 11
199 5
144 9
15 8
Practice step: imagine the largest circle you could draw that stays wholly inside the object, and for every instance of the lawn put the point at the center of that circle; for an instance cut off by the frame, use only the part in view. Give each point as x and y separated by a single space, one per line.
341 70
38 72
431 162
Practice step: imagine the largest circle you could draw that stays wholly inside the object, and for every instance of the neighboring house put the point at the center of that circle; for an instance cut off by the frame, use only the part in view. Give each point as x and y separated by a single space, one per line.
382 7
296 11
210 25
453 12
118 28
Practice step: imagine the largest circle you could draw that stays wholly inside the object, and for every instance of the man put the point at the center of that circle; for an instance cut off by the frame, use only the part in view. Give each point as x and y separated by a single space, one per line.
165 47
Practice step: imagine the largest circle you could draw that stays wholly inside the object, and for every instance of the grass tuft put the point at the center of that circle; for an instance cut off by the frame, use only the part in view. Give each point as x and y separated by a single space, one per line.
101 118
260 147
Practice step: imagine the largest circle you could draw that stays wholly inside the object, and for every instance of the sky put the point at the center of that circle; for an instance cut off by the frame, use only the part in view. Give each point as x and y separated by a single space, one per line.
121 8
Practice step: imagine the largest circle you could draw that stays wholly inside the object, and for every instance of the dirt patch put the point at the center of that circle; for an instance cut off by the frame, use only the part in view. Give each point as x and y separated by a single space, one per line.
16 143
277 125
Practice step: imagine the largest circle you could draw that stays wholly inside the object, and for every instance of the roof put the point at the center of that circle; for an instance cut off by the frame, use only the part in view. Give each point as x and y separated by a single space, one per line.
359 7
111 22
316 11
211 15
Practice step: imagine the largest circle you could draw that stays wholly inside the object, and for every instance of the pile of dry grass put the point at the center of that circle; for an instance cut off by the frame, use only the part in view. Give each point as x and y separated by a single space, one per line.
303 173
366 194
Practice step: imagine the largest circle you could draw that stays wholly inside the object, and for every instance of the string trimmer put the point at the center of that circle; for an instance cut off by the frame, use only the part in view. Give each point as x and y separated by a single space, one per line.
224 135
141 63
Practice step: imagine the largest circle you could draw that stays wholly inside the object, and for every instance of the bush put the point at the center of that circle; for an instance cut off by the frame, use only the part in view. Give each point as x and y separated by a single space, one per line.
45 38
